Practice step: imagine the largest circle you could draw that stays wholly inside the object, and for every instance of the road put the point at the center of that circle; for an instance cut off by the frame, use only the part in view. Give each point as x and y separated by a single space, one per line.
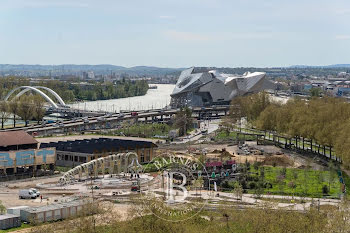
210 126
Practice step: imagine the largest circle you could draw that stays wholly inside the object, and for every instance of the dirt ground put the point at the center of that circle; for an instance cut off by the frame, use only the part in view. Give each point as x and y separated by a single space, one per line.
9 190
289 158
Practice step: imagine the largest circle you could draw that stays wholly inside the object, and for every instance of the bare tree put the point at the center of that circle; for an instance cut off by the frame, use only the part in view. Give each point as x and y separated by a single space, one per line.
183 120
26 109
39 111
4 112
14 109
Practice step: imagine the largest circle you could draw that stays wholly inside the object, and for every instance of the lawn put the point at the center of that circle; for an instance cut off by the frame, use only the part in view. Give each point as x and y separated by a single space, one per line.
222 135
144 130
300 182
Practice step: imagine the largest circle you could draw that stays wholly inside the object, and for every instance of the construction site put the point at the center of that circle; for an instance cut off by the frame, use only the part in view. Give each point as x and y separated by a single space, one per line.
116 179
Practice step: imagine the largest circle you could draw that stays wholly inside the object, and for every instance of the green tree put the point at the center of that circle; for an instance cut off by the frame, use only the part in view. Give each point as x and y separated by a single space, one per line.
2 208
237 190
315 92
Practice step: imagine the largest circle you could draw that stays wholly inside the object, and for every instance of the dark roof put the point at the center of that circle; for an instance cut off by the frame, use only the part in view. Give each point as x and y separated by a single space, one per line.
13 138
99 145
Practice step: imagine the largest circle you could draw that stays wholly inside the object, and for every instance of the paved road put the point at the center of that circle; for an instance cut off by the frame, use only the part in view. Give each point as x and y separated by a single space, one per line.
195 135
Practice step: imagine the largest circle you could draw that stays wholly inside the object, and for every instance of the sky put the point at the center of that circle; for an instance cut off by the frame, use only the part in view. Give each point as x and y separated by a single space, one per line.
175 33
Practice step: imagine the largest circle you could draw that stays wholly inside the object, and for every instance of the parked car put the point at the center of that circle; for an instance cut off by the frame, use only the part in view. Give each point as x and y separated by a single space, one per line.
100 119
86 120
27 194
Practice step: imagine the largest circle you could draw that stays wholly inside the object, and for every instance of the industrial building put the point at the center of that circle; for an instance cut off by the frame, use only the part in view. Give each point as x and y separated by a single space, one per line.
20 156
76 152
199 89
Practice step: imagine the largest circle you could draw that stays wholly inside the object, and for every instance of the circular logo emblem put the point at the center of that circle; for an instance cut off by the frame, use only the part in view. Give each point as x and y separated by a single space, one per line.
176 192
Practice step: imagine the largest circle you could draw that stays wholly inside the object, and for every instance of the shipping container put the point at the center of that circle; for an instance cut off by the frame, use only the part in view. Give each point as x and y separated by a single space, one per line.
52 212
8 221
16 210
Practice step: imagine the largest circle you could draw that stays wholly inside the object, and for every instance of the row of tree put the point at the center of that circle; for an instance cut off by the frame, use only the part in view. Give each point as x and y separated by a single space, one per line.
324 120
28 107
74 91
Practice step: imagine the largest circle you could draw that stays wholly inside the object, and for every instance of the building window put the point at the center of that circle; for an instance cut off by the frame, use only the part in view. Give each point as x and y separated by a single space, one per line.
148 157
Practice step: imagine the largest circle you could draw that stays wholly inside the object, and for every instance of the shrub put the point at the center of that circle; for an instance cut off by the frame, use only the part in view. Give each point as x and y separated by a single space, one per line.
325 189
267 185
292 185
252 185
256 165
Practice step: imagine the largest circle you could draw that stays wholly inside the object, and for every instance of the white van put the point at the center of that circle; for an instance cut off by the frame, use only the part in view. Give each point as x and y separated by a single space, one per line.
26 194
35 191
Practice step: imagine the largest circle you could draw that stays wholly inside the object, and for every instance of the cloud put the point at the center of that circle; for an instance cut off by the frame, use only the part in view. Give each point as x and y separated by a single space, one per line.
342 11
342 37
186 36
196 37
166 17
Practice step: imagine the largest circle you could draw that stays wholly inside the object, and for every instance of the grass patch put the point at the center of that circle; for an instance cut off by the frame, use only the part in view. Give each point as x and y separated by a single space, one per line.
62 169
299 182
143 130
222 135
23 226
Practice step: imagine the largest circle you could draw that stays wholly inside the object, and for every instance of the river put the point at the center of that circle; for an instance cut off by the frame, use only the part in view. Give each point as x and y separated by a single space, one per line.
154 99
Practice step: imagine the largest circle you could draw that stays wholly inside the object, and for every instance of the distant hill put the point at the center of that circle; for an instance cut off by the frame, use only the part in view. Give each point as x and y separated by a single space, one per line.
140 71
328 66
75 69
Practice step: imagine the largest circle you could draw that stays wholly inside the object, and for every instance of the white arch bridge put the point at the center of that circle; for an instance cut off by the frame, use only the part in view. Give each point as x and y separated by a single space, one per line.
36 89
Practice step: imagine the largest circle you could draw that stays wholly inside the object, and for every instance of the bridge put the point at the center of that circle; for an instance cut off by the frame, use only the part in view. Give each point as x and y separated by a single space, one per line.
59 106
37 90
112 121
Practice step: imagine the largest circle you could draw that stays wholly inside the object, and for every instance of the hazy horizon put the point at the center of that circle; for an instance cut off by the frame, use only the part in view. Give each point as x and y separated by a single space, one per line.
345 65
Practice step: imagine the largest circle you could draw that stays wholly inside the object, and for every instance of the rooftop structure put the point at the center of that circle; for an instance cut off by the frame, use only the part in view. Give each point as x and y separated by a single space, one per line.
73 153
198 89
17 140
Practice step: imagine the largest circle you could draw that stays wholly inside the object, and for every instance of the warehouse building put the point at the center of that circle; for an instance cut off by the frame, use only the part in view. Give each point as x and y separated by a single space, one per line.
17 140
20 156
76 152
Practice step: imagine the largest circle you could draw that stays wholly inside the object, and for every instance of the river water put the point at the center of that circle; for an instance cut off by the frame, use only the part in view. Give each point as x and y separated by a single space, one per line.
154 99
